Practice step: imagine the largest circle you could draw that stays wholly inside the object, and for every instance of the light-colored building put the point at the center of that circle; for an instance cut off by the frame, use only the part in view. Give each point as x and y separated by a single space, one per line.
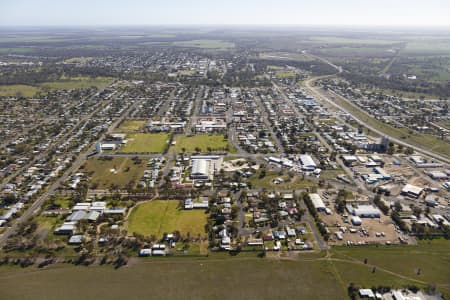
412 190
307 162
204 167
317 202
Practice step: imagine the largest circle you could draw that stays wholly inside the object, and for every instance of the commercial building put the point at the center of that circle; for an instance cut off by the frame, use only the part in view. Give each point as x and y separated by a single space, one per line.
412 191
317 202
307 162
204 167
364 211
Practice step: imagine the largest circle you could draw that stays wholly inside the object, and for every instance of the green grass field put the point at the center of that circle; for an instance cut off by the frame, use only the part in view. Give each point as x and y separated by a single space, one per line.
146 143
79 59
216 142
158 217
18 50
433 46
352 41
187 72
230 278
12 90
65 83
206 44
285 56
267 181
131 125
102 176
285 74
331 174
312 276
431 256
81 82
356 51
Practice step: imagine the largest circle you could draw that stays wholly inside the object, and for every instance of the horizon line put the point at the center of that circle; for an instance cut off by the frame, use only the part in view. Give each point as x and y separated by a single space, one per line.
228 25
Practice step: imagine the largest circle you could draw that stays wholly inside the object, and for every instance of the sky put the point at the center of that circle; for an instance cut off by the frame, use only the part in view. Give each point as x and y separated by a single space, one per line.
224 12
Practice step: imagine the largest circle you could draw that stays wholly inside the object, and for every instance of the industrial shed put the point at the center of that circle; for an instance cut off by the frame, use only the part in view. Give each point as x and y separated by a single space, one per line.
317 202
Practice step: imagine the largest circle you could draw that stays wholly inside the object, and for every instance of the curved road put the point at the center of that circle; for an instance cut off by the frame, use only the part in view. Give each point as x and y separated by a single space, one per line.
309 84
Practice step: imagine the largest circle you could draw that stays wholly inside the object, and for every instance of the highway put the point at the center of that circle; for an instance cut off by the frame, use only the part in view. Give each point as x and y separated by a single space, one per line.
316 91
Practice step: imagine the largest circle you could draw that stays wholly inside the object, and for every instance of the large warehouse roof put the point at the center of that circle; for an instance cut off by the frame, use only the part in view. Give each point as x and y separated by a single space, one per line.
200 166
317 201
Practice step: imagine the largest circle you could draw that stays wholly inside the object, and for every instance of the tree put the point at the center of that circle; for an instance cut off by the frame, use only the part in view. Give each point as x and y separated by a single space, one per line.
352 291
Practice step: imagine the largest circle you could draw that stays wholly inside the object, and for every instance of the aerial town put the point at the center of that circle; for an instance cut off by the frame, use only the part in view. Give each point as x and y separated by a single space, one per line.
200 149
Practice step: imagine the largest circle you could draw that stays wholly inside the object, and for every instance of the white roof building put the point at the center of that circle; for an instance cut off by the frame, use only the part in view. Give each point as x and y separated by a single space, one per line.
412 190
203 167
367 211
307 162
317 202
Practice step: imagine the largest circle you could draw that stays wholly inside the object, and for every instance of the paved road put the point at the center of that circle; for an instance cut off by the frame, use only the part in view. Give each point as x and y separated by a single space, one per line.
265 119
316 91
34 208
46 120
195 110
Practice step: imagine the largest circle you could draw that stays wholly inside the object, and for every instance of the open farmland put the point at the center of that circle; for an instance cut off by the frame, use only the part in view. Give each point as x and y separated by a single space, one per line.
352 41
159 217
146 143
18 90
285 56
206 44
118 171
312 276
64 83
430 256
227 278
285 74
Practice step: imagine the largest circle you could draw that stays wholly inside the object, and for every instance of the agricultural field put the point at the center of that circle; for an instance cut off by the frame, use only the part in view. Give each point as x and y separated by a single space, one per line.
187 72
206 44
358 51
352 41
13 90
285 74
432 68
79 59
269 181
430 256
18 50
239 278
159 217
81 82
119 171
214 142
427 46
312 276
63 83
285 56
146 143
131 125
